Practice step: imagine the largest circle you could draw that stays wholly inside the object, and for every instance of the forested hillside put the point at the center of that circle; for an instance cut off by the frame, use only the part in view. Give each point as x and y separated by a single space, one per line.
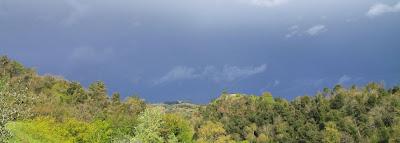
50 109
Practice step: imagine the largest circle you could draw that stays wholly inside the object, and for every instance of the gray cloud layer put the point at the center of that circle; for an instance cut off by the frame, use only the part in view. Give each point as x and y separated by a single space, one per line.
134 45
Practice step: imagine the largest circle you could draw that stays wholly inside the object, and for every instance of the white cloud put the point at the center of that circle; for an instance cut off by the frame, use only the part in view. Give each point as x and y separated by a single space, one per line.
293 31
379 9
91 54
231 73
78 10
316 30
178 73
344 79
224 74
268 3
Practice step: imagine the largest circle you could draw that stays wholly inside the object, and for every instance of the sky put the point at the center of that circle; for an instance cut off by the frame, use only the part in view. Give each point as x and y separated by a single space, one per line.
166 50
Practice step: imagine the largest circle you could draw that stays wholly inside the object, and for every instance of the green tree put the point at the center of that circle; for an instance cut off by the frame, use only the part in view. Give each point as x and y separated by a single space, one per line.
10 68
149 128
77 93
98 93
263 138
97 101
49 130
331 134
212 132
177 126
267 98
15 104
116 98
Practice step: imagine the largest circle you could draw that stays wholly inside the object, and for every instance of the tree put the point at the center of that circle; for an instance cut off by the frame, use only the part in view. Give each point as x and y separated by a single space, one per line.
149 128
14 105
337 89
395 136
177 126
116 98
98 93
281 130
49 130
263 138
134 105
97 100
77 93
9 68
337 102
395 89
331 134
267 98
326 91
250 132
212 132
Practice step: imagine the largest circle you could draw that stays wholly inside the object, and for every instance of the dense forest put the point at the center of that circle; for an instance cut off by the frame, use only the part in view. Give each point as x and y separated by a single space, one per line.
50 109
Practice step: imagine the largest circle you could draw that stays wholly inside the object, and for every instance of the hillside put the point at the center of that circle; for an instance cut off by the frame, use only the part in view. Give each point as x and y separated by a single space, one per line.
51 109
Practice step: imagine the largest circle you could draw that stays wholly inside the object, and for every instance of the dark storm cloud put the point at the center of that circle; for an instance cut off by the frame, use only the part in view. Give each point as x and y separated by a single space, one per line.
202 47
